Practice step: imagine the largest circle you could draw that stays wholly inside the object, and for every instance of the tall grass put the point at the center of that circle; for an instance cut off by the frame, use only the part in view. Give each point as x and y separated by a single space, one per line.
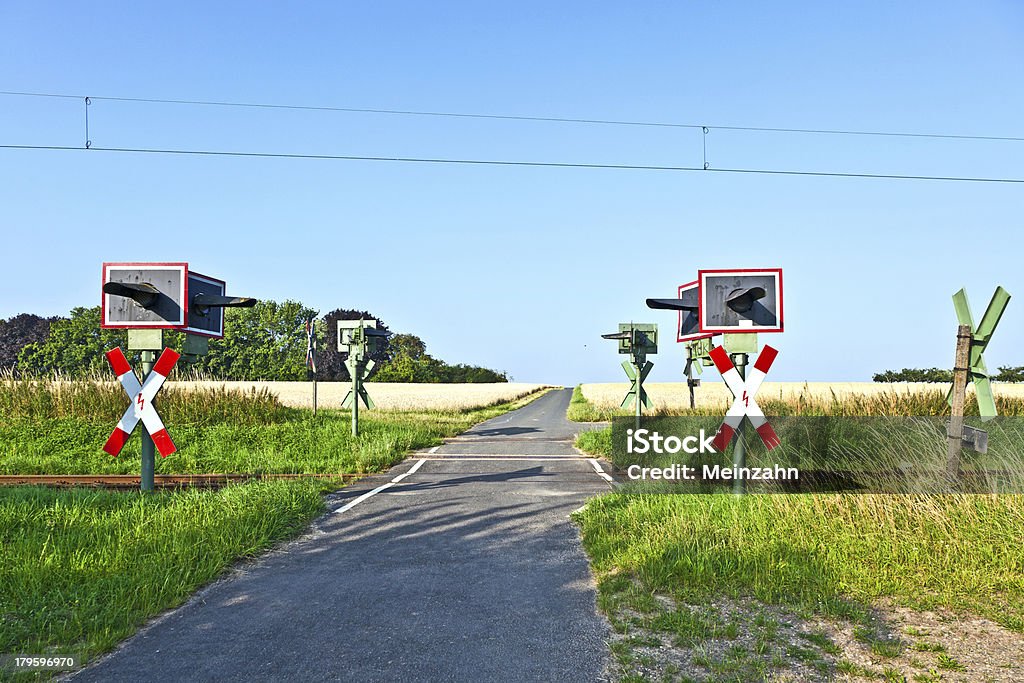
60 428
888 402
105 400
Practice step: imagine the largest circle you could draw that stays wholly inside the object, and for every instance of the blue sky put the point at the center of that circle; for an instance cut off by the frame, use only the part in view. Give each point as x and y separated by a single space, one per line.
523 268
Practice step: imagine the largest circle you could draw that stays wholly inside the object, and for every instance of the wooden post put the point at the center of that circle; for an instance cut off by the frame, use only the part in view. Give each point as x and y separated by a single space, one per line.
956 418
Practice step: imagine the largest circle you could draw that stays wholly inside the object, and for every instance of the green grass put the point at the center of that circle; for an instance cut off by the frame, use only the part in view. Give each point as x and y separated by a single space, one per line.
582 410
823 642
595 441
246 432
949 663
81 569
845 666
827 553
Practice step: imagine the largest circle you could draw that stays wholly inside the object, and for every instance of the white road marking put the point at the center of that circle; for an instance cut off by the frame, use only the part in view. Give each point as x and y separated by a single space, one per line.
360 499
434 449
412 470
600 472
352 503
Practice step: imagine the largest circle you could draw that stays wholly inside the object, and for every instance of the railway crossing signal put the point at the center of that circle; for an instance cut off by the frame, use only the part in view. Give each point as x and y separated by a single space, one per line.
637 340
167 296
141 397
359 338
744 391
146 299
737 304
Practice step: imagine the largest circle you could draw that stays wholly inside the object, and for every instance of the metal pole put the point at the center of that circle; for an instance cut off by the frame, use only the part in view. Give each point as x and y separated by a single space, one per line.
148 451
638 361
739 453
689 381
314 395
354 369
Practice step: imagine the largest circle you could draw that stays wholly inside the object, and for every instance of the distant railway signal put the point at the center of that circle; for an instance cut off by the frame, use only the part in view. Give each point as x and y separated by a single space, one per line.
637 340
311 355
358 338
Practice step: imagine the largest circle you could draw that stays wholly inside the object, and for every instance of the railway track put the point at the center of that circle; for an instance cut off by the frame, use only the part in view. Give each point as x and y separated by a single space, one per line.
161 481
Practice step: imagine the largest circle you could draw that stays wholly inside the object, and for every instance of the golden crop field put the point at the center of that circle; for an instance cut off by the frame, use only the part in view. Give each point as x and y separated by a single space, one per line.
675 395
387 396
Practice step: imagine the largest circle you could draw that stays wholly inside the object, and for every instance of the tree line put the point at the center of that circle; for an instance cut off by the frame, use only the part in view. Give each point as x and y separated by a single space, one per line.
265 342
1005 374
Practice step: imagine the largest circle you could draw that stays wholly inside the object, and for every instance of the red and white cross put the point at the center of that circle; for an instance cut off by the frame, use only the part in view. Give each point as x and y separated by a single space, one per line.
141 396
743 391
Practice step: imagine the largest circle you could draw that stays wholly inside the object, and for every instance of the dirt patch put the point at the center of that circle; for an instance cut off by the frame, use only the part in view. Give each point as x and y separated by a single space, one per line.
932 646
728 639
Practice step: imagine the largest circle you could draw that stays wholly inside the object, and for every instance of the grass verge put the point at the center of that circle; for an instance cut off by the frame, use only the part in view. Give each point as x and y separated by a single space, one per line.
82 569
829 555
595 442
582 410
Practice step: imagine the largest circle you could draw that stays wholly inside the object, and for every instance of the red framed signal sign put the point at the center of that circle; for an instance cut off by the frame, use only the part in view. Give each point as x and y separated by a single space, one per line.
169 309
745 300
161 296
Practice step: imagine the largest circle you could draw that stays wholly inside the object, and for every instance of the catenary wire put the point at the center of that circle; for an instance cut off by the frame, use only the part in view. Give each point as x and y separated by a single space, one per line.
509 117
500 162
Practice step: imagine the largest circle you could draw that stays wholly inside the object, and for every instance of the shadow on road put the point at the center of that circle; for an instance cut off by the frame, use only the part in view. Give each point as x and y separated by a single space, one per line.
503 431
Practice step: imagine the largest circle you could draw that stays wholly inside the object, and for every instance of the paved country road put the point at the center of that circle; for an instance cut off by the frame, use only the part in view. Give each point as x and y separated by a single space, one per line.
466 569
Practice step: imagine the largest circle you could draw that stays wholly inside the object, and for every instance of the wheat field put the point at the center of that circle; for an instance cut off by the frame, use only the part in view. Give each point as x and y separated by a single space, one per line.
675 395
387 396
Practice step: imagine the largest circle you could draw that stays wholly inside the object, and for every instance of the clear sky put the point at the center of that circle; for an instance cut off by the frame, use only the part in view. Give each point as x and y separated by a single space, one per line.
522 269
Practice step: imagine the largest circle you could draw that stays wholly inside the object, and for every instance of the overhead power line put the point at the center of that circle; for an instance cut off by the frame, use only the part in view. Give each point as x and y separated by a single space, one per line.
497 162
509 117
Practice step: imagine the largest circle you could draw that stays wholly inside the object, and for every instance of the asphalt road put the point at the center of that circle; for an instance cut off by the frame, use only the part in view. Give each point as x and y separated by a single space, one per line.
466 569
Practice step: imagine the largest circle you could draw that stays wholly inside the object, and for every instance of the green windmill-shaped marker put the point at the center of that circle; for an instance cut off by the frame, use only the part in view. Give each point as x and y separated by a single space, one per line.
637 340
981 335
